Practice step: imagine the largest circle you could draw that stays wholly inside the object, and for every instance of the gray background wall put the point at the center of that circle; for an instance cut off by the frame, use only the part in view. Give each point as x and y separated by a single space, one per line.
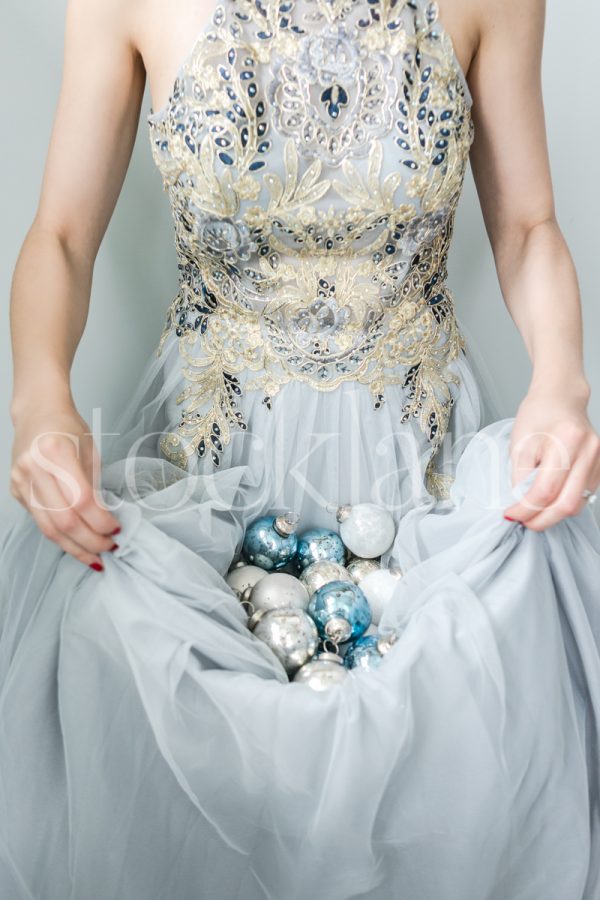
135 275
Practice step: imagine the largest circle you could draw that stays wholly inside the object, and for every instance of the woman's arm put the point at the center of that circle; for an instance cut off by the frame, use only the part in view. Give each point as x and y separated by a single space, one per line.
55 465
535 270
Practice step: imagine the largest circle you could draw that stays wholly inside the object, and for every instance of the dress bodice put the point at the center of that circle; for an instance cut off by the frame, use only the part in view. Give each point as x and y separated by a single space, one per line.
314 153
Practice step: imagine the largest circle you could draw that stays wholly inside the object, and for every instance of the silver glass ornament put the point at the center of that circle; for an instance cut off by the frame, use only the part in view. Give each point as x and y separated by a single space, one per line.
319 573
341 611
366 529
271 541
322 673
290 633
319 544
358 567
278 590
242 576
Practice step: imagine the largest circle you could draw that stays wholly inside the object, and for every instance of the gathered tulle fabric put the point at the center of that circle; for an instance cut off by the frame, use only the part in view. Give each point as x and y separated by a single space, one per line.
161 751
152 747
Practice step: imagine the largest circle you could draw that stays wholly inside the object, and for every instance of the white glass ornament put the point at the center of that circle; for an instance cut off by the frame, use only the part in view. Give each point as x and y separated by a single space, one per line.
242 576
378 587
358 568
322 571
366 529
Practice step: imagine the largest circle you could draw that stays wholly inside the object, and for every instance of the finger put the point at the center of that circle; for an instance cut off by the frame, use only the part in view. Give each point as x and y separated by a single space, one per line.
39 510
551 476
67 520
584 474
73 482
525 455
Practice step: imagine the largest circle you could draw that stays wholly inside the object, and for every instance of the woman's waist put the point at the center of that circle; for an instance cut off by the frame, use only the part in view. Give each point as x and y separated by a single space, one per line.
322 340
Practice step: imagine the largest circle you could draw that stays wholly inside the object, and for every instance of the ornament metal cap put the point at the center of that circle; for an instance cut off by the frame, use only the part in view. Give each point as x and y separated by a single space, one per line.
255 618
338 629
330 657
286 523
343 512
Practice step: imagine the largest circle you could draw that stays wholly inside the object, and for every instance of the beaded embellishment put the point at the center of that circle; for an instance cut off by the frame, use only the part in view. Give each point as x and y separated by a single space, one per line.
314 153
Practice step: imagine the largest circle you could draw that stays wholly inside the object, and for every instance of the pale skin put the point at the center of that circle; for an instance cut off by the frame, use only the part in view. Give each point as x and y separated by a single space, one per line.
110 49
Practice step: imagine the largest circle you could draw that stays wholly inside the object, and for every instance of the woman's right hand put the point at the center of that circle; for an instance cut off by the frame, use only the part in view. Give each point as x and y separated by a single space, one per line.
55 476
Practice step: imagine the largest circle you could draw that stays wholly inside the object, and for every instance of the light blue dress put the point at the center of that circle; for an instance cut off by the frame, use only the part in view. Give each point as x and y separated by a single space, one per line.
151 747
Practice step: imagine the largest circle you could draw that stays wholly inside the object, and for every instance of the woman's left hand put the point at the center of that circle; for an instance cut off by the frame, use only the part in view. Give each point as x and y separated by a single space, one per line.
552 433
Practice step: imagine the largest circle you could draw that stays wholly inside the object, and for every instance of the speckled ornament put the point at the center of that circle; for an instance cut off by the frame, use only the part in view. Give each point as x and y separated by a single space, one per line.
290 633
271 541
341 611
358 568
321 572
319 544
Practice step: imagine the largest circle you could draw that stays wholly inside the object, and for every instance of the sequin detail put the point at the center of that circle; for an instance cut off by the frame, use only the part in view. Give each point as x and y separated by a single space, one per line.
314 154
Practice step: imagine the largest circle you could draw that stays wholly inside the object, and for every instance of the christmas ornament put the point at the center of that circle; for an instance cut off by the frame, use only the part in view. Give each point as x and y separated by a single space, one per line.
378 587
359 567
276 591
271 541
368 651
319 573
363 652
319 544
242 576
366 529
323 672
290 633
340 610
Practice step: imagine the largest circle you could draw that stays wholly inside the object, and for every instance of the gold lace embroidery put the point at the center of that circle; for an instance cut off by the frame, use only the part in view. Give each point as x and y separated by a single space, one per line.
271 114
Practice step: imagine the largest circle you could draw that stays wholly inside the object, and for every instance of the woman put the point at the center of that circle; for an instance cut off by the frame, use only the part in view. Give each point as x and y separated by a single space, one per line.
151 745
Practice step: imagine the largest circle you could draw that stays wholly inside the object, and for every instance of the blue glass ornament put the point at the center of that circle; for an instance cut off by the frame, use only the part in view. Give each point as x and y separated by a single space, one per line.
340 610
319 543
363 653
271 541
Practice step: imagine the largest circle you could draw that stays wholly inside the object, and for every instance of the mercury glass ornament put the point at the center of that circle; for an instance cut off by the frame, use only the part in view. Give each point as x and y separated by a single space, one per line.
366 529
276 591
321 572
242 576
290 633
271 541
341 611
319 544
363 653
359 567
368 651
378 588
322 673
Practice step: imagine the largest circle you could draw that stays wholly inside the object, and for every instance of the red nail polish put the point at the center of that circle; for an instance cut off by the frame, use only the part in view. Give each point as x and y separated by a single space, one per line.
116 531
96 567
114 547
508 519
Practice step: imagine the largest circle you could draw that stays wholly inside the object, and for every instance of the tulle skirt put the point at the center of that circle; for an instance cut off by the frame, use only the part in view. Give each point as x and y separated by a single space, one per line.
152 747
